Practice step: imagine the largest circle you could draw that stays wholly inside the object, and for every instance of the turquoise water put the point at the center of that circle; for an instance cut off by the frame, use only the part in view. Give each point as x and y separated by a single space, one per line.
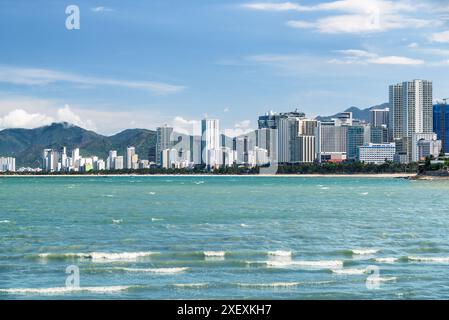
224 237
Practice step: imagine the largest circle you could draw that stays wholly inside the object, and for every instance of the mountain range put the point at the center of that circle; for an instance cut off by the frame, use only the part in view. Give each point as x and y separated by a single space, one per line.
361 114
26 145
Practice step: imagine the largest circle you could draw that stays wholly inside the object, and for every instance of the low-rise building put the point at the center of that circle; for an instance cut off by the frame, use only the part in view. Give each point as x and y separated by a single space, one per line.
376 153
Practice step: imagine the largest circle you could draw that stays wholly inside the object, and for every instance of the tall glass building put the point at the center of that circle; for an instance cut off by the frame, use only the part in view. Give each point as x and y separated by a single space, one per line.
441 124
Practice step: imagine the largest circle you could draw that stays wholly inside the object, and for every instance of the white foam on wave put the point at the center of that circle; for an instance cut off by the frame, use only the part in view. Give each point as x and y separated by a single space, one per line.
321 264
364 193
64 290
100 256
324 188
199 182
214 253
117 221
243 225
430 259
353 271
271 285
280 253
364 252
156 219
386 260
5 221
152 193
156 270
191 285
374 279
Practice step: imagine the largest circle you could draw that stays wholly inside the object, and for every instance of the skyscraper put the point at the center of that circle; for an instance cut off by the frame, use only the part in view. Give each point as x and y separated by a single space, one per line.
130 153
163 141
210 141
379 117
410 112
441 124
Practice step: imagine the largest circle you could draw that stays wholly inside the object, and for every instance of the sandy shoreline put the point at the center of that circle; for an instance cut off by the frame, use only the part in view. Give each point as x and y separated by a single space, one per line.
380 175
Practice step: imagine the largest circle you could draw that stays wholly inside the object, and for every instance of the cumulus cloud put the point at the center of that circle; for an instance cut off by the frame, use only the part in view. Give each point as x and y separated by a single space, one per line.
20 118
184 126
240 128
65 114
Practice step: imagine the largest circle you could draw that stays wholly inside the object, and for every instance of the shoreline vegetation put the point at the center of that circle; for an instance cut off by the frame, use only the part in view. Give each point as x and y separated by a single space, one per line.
354 169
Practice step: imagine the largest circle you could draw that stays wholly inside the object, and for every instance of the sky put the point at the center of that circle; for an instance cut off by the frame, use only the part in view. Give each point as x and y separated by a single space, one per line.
142 64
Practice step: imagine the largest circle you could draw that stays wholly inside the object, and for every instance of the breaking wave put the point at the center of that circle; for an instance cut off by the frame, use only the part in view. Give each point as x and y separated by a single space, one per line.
64 290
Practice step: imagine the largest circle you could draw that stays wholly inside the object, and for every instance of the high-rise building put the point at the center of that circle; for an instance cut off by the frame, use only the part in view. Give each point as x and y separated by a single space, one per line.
130 153
357 136
119 163
332 141
110 161
411 112
267 139
379 117
163 141
210 141
7 164
441 124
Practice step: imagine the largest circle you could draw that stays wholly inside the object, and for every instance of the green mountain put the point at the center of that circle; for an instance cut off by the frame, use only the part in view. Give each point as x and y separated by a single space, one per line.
26 145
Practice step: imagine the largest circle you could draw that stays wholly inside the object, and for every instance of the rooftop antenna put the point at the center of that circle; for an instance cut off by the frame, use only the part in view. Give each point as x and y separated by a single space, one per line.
445 100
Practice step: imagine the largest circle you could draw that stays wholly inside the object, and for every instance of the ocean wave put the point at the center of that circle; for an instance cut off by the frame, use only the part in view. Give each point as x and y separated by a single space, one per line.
280 253
64 290
386 260
191 285
156 270
98 256
429 259
5 221
374 279
151 193
156 219
364 252
214 253
271 285
117 221
321 264
353 271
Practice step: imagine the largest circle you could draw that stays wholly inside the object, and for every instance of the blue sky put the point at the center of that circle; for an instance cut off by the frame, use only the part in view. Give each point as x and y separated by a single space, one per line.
146 63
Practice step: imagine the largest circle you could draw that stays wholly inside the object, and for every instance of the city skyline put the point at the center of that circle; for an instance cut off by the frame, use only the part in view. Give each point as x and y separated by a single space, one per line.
154 63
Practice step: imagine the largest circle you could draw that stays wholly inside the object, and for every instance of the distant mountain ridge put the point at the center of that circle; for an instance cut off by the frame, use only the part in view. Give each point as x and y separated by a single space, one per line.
361 114
26 145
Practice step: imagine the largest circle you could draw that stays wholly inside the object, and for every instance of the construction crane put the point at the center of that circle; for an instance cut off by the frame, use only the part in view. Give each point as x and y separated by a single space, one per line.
445 100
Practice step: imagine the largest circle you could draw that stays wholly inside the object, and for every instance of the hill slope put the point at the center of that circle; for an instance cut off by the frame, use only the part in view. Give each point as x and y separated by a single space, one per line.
26 145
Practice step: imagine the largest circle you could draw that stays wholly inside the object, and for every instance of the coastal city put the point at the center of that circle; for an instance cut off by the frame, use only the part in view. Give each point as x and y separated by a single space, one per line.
409 130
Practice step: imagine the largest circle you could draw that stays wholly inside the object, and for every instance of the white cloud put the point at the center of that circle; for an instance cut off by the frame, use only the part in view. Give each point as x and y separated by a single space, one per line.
101 9
354 16
364 57
226 110
65 114
20 118
240 128
413 45
41 77
184 126
270 6
440 37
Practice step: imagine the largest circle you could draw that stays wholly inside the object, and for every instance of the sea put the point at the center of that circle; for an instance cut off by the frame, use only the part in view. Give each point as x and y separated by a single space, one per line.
223 237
